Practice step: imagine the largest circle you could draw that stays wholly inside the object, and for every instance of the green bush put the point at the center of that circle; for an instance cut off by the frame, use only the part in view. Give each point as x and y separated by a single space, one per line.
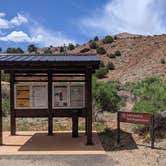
102 64
5 106
101 50
0 49
106 96
62 49
108 39
93 45
110 66
48 51
96 38
151 93
14 50
71 46
117 53
101 73
32 48
111 55
163 61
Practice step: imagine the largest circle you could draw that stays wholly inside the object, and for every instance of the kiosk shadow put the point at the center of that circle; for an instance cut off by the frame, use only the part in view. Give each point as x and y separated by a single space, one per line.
61 141
109 140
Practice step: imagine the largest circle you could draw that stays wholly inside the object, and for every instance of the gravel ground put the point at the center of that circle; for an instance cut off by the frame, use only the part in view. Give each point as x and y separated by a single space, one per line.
102 160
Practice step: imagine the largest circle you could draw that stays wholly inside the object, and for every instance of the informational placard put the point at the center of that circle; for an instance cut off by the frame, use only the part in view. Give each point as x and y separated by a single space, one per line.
68 96
31 96
39 96
60 96
136 118
76 96
22 96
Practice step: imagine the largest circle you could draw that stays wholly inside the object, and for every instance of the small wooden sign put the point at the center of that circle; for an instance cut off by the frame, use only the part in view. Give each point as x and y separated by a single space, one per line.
136 118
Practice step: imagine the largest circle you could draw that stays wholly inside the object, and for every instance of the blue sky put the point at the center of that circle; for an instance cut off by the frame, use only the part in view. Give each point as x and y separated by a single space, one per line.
53 22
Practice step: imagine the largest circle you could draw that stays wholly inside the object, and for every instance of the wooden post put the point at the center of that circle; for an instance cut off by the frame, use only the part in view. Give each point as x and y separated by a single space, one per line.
75 124
12 113
1 129
88 99
152 132
118 128
50 119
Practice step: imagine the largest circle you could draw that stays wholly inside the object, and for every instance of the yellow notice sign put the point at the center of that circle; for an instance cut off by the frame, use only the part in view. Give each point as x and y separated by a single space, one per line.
22 96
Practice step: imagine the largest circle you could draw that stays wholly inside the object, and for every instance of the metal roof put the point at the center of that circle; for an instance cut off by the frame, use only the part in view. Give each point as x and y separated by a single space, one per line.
49 58
45 61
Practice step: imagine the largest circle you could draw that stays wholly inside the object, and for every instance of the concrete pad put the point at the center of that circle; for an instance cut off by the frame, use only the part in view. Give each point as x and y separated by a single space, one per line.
40 143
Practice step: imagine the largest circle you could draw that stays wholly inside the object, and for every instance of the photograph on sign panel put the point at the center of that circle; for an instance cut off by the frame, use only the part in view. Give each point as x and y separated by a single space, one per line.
60 96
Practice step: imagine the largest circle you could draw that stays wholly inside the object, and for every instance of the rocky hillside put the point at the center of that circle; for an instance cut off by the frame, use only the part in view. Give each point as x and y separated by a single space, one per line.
141 56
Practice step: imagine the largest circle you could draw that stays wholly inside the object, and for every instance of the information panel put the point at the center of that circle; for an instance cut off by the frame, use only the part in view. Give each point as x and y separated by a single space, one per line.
22 96
39 96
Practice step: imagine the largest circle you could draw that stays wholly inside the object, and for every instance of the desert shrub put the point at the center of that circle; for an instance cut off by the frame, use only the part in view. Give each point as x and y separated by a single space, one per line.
102 64
151 94
5 106
71 46
32 48
163 61
14 50
93 45
96 38
101 73
101 50
61 49
117 53
108 39
111 55
48 51
110 66
106 96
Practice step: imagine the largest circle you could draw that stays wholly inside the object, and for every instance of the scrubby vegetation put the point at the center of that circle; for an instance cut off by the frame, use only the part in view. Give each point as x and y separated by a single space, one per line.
71 46
163 61
110 66
93 45
151 95
101 73
108 39
101 50
113 55
32 48
106 95
117 53
48 51
14 50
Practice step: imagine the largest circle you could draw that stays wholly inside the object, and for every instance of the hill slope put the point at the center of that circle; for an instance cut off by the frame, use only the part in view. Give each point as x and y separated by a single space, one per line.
140 56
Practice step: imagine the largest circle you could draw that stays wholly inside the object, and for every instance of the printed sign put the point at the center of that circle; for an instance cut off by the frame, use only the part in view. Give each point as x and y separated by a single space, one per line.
60 96
76 96
131 117
39 96
22 96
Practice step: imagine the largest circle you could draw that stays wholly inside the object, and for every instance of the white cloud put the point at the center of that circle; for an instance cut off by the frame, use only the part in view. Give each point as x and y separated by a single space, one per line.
46 37
2 14
140 17
15 21
18 20
19 36
35 33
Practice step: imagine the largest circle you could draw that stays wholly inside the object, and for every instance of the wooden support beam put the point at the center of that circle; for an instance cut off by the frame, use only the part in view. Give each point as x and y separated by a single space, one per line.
75 124
88 99
50 117
12 112
1 129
